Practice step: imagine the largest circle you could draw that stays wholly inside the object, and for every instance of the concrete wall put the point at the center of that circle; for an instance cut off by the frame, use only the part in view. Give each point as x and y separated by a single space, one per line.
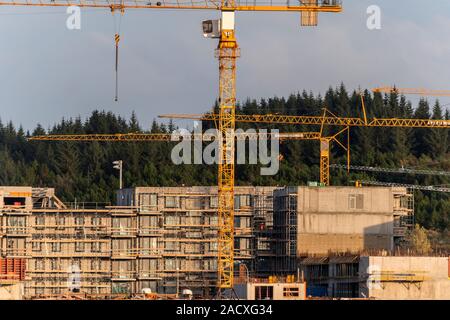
344 219
322 244
433 270
337 199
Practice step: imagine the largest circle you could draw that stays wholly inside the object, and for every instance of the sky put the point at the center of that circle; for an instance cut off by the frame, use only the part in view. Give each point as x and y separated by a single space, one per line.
166 66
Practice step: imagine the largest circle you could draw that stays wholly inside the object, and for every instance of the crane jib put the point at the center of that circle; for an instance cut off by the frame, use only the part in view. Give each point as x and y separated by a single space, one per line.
318 6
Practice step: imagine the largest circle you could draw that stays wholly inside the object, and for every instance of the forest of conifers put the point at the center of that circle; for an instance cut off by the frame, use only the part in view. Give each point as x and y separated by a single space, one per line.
83 171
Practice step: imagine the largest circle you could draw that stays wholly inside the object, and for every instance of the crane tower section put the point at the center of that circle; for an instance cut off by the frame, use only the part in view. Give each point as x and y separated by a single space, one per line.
227 52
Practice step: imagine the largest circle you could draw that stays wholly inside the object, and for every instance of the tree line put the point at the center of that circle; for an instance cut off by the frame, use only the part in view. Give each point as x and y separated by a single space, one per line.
83 171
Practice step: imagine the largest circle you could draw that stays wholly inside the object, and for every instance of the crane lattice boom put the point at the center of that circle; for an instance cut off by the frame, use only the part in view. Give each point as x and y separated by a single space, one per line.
130 137
320 120
256 5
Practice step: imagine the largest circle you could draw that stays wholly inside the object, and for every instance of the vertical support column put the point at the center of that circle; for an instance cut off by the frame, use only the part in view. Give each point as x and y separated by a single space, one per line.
227 53
325 161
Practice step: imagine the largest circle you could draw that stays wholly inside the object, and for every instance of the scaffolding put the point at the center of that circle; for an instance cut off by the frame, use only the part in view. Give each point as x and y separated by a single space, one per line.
403 214
73 250
163 239
263 228
178 230
285 230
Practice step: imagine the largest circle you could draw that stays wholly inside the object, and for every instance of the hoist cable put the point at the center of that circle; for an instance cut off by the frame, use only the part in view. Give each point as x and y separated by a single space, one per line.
117 27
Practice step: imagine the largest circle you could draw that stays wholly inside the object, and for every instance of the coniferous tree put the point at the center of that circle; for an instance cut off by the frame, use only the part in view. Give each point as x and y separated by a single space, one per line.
421 136
438 138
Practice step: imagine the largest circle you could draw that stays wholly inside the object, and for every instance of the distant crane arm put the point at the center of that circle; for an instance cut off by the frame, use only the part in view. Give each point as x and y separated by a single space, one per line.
416 91
409 186
393 170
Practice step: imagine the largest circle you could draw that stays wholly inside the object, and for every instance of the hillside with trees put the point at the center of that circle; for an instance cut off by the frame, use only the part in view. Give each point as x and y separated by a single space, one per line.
82 171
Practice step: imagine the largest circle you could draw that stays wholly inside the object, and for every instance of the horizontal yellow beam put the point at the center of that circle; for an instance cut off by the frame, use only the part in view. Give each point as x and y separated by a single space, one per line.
137 137
103 137
180 4
320 120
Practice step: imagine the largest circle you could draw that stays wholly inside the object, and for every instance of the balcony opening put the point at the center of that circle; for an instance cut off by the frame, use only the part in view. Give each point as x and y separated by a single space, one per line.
14 201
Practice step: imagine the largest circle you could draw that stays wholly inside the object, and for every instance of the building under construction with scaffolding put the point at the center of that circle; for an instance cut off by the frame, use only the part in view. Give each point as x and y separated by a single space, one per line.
159 238
178 228
312 221
165 238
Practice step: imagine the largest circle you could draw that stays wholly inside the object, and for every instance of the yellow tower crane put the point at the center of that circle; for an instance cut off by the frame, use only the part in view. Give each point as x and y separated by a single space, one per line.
227 52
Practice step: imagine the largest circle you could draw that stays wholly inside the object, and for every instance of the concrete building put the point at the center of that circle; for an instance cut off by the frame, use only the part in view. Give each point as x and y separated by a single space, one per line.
377 277
404 278
318 221
331 276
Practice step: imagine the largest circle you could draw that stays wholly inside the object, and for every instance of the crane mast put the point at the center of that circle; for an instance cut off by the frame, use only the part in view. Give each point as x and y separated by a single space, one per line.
227 52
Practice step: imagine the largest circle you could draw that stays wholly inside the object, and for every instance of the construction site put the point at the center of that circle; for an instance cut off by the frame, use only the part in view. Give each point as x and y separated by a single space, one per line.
310 241
164 240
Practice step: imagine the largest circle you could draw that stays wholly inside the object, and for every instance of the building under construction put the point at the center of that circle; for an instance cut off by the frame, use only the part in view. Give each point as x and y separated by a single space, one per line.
386 277
311 221
157 238
178 226
165 238
66 248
